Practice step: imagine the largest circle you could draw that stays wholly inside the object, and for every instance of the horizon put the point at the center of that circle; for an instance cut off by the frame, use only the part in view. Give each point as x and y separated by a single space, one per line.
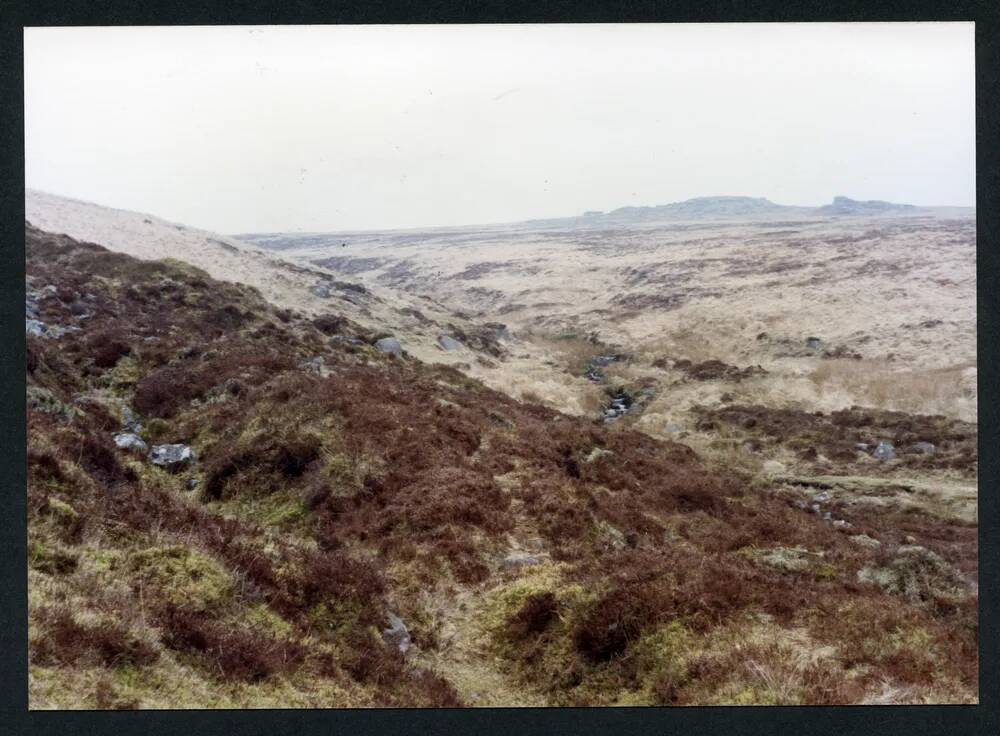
320 128
606 211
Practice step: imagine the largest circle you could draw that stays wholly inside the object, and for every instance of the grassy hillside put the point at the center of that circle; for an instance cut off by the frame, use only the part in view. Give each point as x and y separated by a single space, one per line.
533 557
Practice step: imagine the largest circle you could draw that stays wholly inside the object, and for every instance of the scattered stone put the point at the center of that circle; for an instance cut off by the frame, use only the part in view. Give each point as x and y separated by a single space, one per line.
130 441
813 343
449 343
517 560
884 451
36 328
925 448
397 634
865 541
314 365
171 457
389 345
40 329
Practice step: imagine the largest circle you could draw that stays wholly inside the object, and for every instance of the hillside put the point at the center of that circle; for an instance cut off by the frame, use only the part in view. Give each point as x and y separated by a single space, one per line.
234 503
418 322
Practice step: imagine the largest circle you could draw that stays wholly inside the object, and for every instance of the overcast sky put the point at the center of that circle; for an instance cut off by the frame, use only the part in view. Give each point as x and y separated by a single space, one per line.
249 129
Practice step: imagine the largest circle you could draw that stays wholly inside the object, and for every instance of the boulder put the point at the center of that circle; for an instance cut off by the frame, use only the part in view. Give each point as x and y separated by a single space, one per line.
389 345
449 343
397 634
884 451
171 457
130 441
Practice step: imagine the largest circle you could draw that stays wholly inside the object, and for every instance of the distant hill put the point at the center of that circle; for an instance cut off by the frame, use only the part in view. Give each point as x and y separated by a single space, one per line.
734 207
848 206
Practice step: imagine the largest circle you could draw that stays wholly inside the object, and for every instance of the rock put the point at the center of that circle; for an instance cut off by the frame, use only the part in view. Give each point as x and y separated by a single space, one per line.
130 422
389 345
822 497
813 343
397 634
863 446
313 365
191 484
36 328
449 343
675 428
865 541
841 524
130 441
884 451
517 560
908 539
171 457
925 448
320 290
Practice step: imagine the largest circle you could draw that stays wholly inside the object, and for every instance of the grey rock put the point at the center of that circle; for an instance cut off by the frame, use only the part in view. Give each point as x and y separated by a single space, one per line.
313 365
389 345
130 421
862 446
514 561
449 343
130 441
822 497
171 456
36 328
192 484
884 451
841 524
320 290
813 343
397 634
926 448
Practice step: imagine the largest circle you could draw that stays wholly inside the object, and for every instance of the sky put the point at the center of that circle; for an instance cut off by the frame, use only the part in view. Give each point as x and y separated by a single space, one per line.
245 129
